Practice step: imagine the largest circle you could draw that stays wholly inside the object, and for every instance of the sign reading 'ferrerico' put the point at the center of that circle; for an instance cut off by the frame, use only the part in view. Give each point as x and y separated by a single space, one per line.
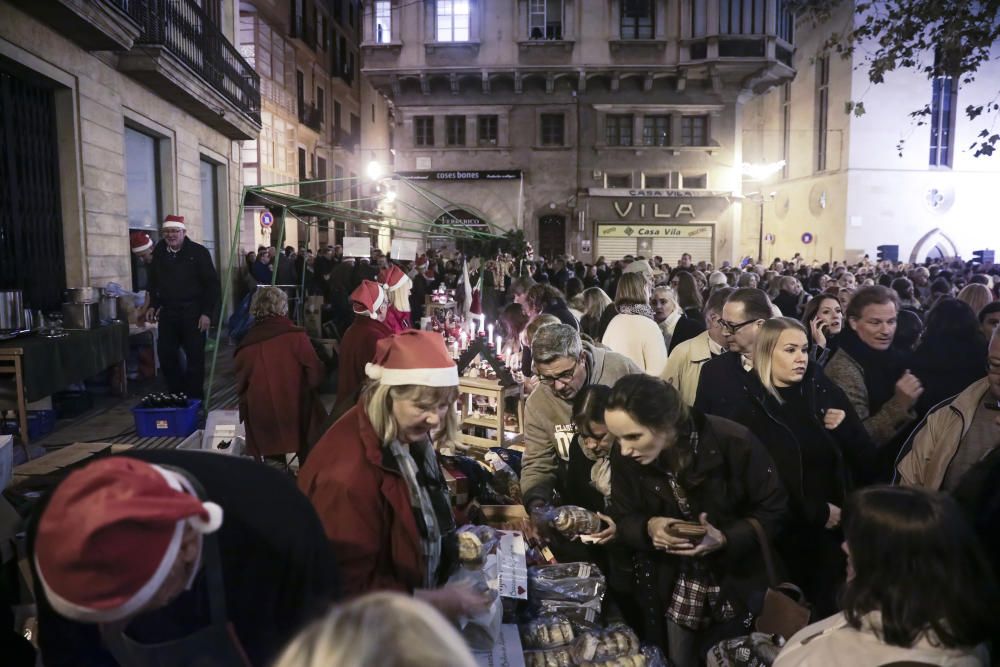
459 175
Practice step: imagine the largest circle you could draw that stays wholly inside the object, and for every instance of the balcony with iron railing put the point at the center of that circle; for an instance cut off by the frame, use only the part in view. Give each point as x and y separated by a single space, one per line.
95 25
311 116
181 54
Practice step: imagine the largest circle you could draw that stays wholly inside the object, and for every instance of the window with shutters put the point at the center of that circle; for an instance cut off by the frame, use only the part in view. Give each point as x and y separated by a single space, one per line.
618 129
423 131
694 131
656 131
637 19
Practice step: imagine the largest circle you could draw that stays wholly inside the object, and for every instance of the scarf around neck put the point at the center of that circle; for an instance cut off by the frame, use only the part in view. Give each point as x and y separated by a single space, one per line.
636 309
880 368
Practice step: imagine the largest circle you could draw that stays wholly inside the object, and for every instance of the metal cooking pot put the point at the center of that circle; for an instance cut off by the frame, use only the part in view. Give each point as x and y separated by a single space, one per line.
83 294
11 310
108 310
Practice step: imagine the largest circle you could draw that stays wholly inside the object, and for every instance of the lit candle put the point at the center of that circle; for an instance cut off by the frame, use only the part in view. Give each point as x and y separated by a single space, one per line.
499 346
463 340
489 332
482 324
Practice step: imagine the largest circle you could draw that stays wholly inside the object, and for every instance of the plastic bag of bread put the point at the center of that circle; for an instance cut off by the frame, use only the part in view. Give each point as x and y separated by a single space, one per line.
546 632
616 641
572 582
583 616
474 543
556 657
571 520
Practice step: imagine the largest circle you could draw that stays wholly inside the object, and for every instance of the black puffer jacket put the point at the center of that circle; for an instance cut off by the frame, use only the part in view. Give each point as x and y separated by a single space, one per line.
736 479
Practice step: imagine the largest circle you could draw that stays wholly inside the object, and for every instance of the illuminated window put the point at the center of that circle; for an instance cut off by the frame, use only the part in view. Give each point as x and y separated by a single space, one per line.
453 20
383 21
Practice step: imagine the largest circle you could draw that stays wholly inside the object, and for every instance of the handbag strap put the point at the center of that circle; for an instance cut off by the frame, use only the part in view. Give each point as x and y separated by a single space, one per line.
765 549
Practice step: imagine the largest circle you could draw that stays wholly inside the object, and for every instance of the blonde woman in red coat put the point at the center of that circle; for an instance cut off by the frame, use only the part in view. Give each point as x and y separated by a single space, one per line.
376 484
277 372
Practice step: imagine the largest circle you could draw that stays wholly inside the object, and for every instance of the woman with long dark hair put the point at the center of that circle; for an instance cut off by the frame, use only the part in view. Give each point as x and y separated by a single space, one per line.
950 354
823 317
683 486
688 295
919 589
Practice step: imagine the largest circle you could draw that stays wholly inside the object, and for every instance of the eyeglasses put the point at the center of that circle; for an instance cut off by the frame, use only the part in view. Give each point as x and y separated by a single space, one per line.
733 328
565 377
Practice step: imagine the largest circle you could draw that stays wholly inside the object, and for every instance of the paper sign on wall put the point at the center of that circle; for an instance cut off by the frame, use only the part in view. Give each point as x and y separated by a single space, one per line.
404 250
357 246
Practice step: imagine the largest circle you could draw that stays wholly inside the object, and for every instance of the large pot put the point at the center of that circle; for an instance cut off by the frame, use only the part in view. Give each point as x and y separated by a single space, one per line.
80 315
108 309
83 294
12 310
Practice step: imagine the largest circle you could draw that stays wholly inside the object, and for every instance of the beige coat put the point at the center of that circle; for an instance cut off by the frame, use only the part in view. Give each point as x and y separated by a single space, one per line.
684 365
934 442
833 643
640 339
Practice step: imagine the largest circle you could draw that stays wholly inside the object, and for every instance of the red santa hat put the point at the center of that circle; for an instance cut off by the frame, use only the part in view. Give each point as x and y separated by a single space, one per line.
140 242
421 262
413 358
111 534
368 298
393 278
173 222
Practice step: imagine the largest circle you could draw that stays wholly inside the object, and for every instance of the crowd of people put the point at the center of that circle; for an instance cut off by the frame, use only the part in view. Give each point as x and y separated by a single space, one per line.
847 416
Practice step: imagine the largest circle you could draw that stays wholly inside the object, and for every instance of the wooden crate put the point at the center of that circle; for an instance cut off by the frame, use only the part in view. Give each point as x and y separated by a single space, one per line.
491 389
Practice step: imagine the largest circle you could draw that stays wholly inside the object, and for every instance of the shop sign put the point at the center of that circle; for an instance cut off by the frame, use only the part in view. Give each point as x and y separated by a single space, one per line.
655 231
463 175
624 208
462 218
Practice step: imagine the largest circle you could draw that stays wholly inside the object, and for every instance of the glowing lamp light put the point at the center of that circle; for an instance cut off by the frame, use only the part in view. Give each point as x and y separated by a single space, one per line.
374 170
758 172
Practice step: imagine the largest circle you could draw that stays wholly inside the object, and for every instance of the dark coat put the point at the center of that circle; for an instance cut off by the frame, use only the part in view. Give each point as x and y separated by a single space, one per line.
277 372
561 311
686 329
722 386
187 280
364 507
788 304
946 368
357 348
278 570
738 480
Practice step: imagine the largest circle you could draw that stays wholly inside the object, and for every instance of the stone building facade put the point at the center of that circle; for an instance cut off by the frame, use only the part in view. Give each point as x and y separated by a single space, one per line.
115 114
306 54
599 127
856 182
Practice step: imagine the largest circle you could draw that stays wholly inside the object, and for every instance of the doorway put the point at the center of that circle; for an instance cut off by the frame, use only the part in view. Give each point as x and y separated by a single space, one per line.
551 236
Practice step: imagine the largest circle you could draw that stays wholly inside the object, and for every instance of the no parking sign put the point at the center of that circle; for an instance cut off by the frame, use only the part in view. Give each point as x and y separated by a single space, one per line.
807 238
266 219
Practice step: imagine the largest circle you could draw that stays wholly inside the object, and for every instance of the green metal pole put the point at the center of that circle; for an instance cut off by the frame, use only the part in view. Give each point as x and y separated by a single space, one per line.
226 289
277 254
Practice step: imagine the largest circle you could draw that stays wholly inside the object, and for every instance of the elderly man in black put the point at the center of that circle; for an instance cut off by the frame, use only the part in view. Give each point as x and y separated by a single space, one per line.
183 294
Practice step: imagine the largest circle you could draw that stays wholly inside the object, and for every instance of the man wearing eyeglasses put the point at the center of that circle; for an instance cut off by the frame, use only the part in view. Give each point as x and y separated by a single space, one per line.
564 365
723 379
956 434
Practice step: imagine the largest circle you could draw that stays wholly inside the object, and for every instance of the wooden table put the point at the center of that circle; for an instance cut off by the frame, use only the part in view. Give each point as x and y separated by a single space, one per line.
61 362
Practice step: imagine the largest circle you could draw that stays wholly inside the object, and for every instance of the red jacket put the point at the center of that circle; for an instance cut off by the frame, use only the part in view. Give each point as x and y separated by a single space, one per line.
397 320
357 348
364 508
277 371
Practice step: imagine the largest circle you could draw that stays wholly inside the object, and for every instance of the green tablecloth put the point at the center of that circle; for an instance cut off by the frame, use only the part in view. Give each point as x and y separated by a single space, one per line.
51 364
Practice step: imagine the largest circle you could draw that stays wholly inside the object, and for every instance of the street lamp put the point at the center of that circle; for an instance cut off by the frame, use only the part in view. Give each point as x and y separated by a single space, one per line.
759 173
374 170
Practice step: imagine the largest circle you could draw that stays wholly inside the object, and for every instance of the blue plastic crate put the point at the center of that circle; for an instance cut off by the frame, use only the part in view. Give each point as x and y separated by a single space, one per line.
167 422
40 424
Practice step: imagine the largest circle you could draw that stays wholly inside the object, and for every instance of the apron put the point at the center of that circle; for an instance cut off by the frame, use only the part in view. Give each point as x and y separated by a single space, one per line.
215 645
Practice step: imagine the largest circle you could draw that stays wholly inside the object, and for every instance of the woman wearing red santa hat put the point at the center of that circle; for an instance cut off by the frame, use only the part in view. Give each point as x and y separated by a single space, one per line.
376 484
163 558
398 284
357 347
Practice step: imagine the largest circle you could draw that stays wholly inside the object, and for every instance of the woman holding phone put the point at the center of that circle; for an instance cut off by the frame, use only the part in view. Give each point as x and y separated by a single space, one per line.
823 317
684 485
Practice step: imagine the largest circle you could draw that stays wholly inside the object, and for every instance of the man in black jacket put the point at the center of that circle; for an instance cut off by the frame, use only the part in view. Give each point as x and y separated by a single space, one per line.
723 380
183 295
169 557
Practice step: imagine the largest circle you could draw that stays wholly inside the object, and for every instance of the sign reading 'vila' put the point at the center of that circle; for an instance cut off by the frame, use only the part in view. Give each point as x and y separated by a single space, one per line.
679 210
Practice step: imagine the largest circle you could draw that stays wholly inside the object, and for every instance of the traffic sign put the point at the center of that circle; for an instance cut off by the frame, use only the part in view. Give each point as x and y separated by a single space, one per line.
266 219
807 238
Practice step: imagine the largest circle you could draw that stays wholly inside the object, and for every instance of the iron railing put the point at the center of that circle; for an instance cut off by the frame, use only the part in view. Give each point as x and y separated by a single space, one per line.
183 28
311 116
